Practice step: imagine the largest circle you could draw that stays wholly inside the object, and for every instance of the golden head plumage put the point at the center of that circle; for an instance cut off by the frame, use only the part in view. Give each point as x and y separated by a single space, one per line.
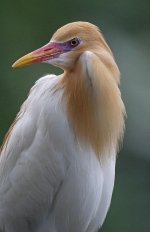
81 30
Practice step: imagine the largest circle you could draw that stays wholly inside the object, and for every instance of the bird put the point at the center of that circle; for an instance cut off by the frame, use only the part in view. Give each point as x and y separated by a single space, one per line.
57 161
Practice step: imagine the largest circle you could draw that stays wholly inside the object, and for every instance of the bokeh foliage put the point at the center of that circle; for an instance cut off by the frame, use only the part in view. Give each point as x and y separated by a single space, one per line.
26 25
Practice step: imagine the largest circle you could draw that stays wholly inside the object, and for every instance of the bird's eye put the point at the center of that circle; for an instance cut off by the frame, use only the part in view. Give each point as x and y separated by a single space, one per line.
74 42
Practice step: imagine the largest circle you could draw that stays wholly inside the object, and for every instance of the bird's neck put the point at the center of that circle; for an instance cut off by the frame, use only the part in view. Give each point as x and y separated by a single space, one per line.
94 105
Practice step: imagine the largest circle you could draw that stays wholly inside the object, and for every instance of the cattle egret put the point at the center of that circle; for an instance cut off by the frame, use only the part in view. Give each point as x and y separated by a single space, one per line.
57 164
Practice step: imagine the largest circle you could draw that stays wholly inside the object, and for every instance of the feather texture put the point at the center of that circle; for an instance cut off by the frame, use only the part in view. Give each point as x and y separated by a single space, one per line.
94 103
37 176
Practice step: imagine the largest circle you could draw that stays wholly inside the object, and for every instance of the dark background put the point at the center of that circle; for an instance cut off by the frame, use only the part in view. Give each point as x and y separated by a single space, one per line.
27 25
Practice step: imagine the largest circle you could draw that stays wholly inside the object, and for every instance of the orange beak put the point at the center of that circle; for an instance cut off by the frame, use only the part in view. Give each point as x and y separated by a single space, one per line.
47 52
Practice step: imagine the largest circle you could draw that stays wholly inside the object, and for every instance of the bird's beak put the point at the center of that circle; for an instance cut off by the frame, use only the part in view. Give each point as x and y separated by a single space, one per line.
47 52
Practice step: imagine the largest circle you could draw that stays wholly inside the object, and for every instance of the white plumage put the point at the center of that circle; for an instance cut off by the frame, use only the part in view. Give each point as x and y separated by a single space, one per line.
52 180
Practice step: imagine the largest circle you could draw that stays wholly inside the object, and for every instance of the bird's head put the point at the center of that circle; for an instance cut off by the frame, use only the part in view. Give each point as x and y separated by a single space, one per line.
66 45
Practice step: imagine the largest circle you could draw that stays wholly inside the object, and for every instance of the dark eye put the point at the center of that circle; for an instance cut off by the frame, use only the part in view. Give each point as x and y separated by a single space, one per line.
74 42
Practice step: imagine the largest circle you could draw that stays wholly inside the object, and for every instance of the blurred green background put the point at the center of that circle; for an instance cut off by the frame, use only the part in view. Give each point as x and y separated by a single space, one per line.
26 25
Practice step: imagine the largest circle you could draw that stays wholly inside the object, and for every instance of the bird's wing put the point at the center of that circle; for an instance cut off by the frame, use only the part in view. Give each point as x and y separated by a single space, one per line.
31 163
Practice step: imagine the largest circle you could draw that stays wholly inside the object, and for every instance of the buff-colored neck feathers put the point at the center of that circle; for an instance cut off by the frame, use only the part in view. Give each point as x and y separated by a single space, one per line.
94 105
